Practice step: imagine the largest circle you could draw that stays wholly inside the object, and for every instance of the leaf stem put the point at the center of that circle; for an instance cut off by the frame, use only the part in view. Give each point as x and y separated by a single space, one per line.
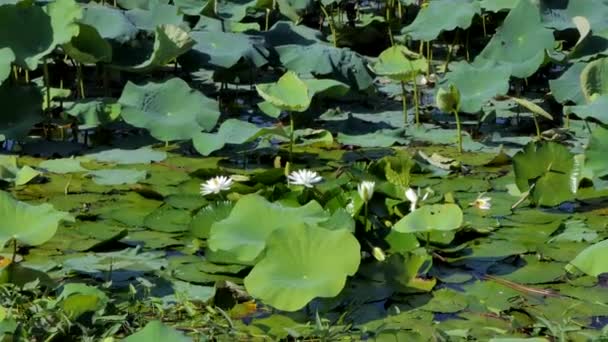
47 83
458 129
331 25
416 102
404 103
14 251
536 125
80 79
291 136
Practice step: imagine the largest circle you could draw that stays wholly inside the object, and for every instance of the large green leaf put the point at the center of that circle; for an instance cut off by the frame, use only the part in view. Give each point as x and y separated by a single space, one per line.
442 15
117 176
253 219
568 86
170 42
88 46
549 166
21 109
592 260
142 155
11 172
224 50
442 217
594 79
169 110
323 60
6 59
157 331
29 224
295 9
232 131
596 155
110 23
34 31
558 14
159 14
399 63
477 85
521 42
288 93
303 262
93 112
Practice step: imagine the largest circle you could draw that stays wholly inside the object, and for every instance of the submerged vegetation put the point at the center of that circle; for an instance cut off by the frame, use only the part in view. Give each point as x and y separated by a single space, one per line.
395 170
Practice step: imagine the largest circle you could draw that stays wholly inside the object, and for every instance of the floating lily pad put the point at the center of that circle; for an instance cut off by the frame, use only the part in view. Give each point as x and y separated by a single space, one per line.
117 176
236 233
157 331
431 217
63 165
303 262
142 155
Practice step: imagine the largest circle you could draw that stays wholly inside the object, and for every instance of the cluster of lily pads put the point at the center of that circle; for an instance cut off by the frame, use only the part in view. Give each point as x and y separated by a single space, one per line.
280 175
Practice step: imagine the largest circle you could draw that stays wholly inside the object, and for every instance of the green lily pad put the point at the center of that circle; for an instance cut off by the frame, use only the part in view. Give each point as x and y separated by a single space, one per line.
28 224
431 217
117 176
442 15
549 166
157 331
169 110
236 233
303 262
93 112
201 223
595 155
157 14
7 57
111 23
76 299
11 172
62 165
288 93
520 43
477 85
568 86
142 155
592 259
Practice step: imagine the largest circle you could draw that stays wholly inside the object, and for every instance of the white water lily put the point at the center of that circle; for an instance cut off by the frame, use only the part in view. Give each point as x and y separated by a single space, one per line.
216 185
306 178
366 190
483 203
413 196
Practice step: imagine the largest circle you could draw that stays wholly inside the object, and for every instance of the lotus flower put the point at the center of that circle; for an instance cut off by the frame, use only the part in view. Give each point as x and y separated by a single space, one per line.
216 185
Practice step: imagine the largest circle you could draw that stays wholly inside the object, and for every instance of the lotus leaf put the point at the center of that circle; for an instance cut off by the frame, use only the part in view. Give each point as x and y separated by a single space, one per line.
594 79
431 217
295 9
568 86
141 4
7 57
169 110
287 33
477 85
88 46
77 299
498 5
20 110
109 22
303 262
94 112
442 15
170 42
448 100
380 138
29 224
245 231
142 155
232 131
157 331
400 64
159 14
322 60
521 42
35 31
234 10
550 167
288 93
192 7
10 172
224 50
557 15
592 260
117 176
596 157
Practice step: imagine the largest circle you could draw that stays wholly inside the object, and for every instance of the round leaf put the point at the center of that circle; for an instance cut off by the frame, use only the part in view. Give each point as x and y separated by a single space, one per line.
169 110
431 217
396 62
253 219
301 263
288 93
28 224
592 260
594 79
442 15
